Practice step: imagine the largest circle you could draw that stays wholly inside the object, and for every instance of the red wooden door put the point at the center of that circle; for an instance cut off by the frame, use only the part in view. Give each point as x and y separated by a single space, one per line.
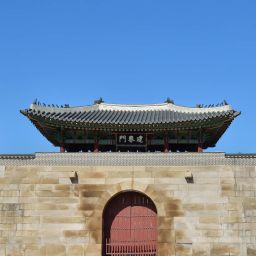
130 226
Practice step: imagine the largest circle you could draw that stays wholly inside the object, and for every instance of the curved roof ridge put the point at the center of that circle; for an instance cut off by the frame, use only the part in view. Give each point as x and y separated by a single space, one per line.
162 106
133 107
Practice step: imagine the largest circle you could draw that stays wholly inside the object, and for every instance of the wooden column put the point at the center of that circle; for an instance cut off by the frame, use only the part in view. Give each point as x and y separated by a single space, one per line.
62 148
96 143
116 141
200 147
166 143
85 136
200 144
146 143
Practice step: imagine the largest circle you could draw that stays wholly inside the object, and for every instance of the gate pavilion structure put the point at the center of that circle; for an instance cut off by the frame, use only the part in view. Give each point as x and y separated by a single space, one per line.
129 180
135 128
130 218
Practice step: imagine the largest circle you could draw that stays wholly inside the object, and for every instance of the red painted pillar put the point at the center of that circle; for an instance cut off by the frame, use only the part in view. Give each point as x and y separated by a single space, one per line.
62 145
166 143
200 148
96 148
200 144
62 148
96 145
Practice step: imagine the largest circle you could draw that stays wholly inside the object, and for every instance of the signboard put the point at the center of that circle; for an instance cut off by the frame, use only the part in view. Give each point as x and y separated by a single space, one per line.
131 139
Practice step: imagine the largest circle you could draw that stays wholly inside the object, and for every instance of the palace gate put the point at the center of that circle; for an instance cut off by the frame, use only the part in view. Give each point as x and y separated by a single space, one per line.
130 225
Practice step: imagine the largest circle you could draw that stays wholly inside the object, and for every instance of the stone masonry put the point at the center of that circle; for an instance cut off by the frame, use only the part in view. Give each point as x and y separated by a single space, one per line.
46 210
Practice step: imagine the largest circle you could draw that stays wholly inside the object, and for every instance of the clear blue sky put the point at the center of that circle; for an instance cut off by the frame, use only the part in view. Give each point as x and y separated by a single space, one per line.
126 52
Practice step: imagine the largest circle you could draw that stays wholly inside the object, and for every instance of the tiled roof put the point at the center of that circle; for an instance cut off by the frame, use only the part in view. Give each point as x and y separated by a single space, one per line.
111 114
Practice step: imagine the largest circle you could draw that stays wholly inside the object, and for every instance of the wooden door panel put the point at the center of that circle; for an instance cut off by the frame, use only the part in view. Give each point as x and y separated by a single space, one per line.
130 226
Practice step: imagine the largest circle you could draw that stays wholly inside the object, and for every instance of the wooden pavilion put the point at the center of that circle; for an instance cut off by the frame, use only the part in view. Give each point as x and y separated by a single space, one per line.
144 128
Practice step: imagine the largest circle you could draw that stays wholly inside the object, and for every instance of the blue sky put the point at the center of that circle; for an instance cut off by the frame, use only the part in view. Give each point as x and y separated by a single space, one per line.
126 52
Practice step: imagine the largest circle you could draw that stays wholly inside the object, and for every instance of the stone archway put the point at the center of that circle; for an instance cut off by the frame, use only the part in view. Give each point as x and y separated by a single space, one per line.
129 225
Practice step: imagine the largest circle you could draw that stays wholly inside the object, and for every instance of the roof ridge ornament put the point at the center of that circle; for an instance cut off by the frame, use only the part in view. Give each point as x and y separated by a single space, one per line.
223 103
169 100
42 104
98 101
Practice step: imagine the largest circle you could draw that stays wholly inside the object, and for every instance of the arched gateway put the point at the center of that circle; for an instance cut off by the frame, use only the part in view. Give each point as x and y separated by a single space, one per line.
130 225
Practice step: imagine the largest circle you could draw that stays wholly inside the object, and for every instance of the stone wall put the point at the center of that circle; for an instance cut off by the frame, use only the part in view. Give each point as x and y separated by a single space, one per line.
43 213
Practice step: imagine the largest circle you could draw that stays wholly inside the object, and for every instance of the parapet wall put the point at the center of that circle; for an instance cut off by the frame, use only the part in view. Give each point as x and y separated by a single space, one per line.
43 213
128 159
